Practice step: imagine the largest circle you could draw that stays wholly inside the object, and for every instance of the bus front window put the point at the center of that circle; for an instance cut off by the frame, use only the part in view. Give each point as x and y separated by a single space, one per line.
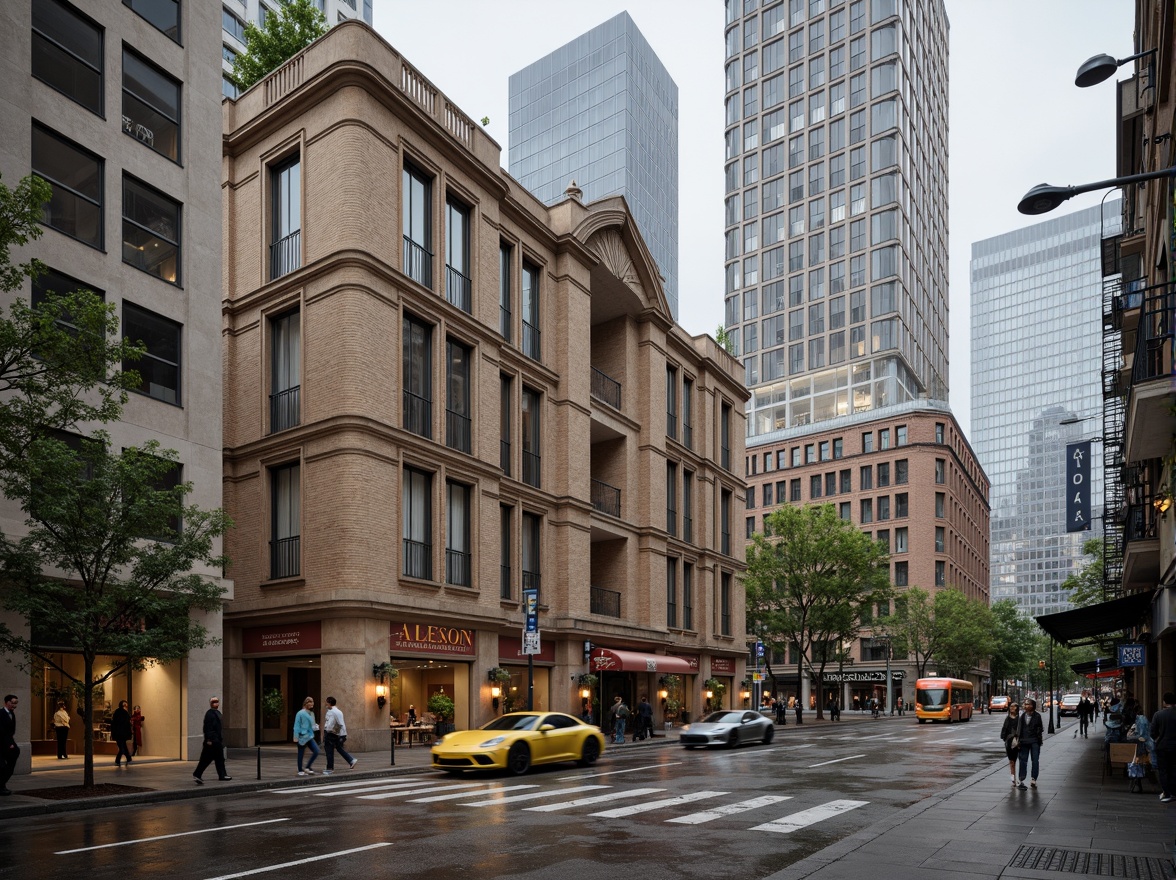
932 698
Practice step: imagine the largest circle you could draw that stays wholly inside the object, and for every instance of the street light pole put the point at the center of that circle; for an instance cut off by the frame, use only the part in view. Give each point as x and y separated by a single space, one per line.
1051 687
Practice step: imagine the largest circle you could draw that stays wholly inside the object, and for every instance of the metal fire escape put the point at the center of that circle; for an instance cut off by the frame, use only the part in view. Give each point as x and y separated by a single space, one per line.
1115 389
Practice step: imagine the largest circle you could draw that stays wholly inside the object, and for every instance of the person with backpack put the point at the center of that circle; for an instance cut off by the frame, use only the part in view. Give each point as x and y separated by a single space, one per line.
644 726
619 712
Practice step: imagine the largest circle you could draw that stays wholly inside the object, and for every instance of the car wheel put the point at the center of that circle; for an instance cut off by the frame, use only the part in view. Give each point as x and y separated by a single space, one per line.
590 753
733 739
922 720
769 732
518 760
691 748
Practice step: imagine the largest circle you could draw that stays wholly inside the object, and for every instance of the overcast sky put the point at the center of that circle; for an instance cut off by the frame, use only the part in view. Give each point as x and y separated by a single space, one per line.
1016 118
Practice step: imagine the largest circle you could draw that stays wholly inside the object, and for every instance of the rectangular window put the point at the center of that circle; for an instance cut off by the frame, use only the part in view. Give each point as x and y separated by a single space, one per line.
831 483
815 486
417 379
883 438
504 299
672 498
940 504
867 510
767 495
416 514
285 371
794 490
417 215
75 207
866 477
505 552
231 25
458 554
687 413
531 332
940 573
883 508
940 471
151 231
725 436
725 522
883 474
901 505
688 506
285 521
67 53
939 539
939 432
901 472
845 479
845 510
506 392
457 254
672 592
458 398
162 14
725 604
687 596
532 459
286 234
150 106
159 368
671 402
883 537
901 574
532 547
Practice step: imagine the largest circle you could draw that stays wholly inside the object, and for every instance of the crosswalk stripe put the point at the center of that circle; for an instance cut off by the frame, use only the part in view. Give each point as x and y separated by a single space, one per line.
412 791
493 802
352 789
466 794
836 761
621 812
729 809
796 821
303 789
875 736
595 799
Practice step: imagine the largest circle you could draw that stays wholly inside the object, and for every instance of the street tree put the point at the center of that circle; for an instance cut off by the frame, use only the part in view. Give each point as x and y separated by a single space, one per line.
106 565
61 355
1086 585
810 576
965 632
284 34
912 629
1013 643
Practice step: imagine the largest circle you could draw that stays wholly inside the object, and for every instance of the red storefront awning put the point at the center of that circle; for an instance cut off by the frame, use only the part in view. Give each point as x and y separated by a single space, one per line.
615 660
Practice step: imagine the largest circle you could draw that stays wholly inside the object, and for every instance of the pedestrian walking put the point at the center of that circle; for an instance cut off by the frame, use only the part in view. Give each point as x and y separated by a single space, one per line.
121 732
334 737
644 720
213 751
1030 732
1163 733
902 706
137 720
1086 711
1008 735
781 713
619 712
9 750
61 729
304 730
800 711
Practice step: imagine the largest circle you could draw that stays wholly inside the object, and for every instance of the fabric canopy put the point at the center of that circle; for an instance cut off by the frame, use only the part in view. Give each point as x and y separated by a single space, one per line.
1107 667
614 660
1097 620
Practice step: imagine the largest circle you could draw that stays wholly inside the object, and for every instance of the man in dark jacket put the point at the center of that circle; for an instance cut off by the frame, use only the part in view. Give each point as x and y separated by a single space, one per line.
9 750
1030 732
213 751
1163 731
1086 712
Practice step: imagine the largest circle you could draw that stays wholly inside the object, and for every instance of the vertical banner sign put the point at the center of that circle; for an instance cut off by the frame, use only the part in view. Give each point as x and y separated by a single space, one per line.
531 606
1078 486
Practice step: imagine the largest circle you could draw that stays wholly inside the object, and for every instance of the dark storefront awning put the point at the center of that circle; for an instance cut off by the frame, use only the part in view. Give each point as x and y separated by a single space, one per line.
1073 626
615 660
1107 667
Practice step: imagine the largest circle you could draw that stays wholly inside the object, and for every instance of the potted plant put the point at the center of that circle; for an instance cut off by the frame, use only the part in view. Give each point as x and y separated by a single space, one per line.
272 705
717 688
441 707
672 701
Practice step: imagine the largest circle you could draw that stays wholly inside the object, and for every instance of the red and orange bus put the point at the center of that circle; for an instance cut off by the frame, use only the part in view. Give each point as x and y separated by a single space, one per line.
943 699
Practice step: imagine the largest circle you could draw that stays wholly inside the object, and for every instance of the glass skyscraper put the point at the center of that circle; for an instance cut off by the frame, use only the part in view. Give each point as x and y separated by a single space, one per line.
836 207
603 110
1036 332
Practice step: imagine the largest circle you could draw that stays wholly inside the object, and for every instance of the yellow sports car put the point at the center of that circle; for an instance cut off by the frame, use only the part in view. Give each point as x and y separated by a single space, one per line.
517 740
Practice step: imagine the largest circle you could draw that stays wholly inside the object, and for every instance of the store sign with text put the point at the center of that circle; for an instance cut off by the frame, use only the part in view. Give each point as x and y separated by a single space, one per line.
291 638
722 665
863 676
430 638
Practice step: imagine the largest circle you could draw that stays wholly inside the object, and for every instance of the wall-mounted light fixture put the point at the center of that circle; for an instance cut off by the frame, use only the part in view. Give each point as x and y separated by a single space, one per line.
380 672
585 693
495 693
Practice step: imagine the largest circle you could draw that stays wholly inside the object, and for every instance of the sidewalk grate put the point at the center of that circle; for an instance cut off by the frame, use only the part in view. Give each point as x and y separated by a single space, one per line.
1074 861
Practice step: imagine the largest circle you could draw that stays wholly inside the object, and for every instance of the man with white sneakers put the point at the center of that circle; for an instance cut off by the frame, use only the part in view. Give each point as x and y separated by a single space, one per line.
334 736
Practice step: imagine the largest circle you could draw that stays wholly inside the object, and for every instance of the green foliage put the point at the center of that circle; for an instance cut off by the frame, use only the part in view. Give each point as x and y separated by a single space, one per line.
59 361
1013 640
1086 584
285 33
673 702
717 689
272 703
441 706
811 583
948 629
725 340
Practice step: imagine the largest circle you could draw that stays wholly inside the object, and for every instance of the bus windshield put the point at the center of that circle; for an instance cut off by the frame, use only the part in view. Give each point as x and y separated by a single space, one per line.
932 698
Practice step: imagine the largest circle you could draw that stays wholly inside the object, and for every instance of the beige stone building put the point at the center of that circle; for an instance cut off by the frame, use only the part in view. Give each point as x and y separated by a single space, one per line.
909 479
115 103
440 393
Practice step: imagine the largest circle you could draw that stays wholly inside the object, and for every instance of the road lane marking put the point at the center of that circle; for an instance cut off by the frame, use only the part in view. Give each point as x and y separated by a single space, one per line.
875 736
788 824
334 855
366 789
303 789
615 772
621 812
730 809
410 791
66 852
493 802
835 761
595 799
465 794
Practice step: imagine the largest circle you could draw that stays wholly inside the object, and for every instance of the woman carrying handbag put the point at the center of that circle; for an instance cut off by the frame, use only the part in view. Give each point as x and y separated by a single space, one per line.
1008 734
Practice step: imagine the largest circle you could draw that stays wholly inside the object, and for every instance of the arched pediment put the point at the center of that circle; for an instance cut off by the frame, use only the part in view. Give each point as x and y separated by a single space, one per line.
626 279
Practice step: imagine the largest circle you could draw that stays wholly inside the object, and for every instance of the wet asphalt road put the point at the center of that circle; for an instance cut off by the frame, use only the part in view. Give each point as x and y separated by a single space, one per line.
744 813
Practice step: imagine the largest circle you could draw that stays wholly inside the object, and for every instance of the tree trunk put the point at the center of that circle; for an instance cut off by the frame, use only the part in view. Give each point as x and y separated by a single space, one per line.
88 723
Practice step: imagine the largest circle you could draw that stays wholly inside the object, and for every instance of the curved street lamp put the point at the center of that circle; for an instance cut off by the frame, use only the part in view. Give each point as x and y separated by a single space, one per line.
1102 67
1044 197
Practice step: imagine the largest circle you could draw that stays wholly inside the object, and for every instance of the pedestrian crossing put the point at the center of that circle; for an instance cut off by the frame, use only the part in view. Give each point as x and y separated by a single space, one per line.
617 801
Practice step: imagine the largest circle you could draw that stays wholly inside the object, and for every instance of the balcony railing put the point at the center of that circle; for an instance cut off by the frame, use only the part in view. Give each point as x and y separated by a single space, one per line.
672 425
286 254
418 263
687 528
457 288
606 498
504 318
418 414
504 456
285 409
457 431
672 614
606 389
457 568
531 340
725 543
1153 341
606 602
531 468
418 560
285 554
505 591
687 434
672 521
687 617
531 580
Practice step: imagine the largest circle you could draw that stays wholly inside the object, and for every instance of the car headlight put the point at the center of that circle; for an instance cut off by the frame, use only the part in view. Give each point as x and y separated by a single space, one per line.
492 742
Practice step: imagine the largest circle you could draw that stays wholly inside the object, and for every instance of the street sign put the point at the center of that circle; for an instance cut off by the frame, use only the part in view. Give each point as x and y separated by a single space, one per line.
759 649
1132 655
531 607
758 676
531 643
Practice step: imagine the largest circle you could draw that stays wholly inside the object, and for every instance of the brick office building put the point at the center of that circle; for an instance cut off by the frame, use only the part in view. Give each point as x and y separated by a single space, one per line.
440 391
